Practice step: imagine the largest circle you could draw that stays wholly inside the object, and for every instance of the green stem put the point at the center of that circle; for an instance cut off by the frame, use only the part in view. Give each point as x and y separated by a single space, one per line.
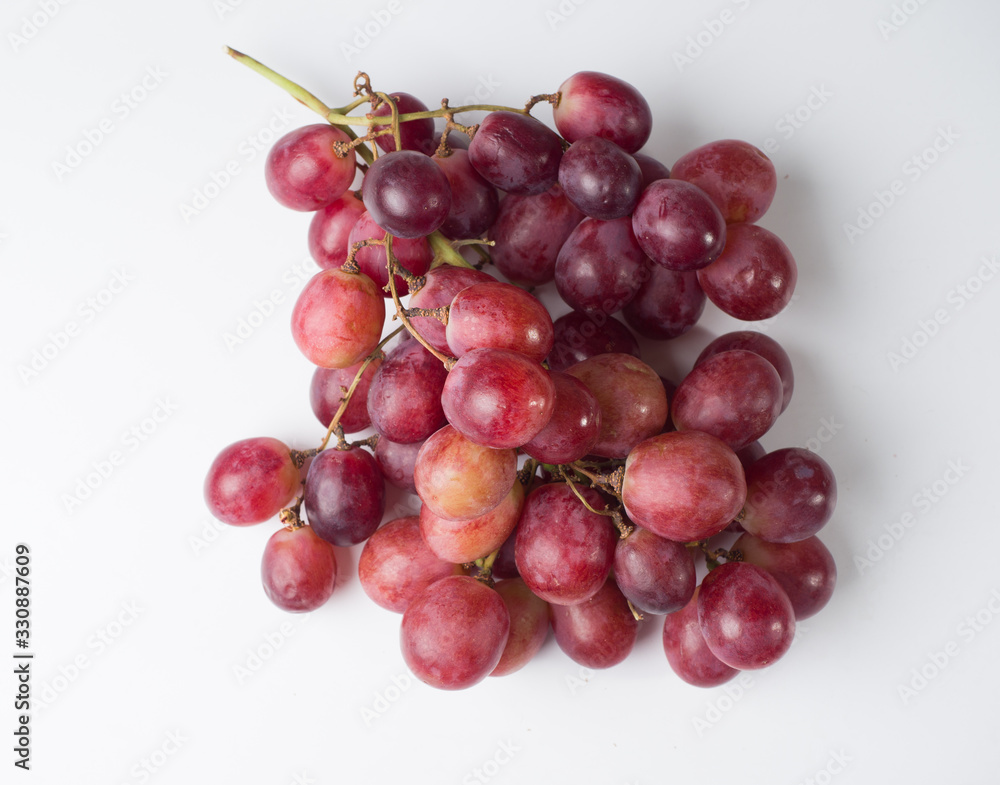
297 92
445 251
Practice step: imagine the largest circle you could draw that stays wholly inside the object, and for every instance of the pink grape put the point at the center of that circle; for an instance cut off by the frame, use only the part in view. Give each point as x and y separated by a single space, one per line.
298 569
303 171
632 399
459 479
442 284
683 485
745 616
250 481
529 625
454 632
598 632
686 650
496 315
337 320
564 551
735 395
528 233
754 277
498 398
465 541
396 565
596 104
326 393
737 177
516 153
330 228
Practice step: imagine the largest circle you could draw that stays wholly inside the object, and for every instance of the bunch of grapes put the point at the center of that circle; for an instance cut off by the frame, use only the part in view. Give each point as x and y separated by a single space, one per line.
563 482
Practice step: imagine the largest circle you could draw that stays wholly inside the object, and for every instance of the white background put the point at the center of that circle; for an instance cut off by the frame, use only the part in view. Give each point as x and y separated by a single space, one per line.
148 618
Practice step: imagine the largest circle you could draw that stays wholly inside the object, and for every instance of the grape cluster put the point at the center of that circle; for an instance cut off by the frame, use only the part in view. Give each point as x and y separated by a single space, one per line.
563 482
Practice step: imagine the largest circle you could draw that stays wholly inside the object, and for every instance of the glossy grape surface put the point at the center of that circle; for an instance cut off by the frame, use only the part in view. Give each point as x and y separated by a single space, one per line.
496 315
250 481
298 569
791 494
330 228
805 569
529 625
678 226
579 336
460 542
303 172
344 496
516 153
414 255
596 104
600 179
414 134
442 284
575 425
761 344
407 194
656 574
598 632
404 398
474 202
326 393
667 305
686 650
737 177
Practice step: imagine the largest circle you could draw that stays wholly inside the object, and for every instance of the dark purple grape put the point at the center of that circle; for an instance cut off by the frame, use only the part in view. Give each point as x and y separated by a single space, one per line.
505 565
407 194
678 226
737 177
344 496
598 632
404 399
734 395
686 650
330 228
474 202
250 481
415 255
579 336
442 284
600 179
498 398
298 569
745 616
749 454
454 632
303 171
529 625
755 276
397 461
528 233
516 153
654 573
652 170
326 393
496 315
683 485
600 266
791 494
575 425
396 565
805 570
758 343
413 134
667 305
563 550
596 104
632 400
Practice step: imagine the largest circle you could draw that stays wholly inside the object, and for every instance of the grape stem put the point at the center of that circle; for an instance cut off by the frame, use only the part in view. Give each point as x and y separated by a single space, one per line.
624 529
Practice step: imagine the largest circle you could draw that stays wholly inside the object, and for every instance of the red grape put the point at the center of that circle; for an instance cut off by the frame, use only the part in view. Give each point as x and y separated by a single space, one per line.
474 202
413 134
344 496
298 569
667 304
337 320
397 461
414 255
459 479
250 481
652 170
497 315
302 170
404 399
579 336
654 573
442 284
396 565
745 616
678 226
516 153
465 541
737 177
683 485
529 625
596 104
599 632
686 650
454 632
600 179
791 494
575 425
326 393
805 569
761 344
330 228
